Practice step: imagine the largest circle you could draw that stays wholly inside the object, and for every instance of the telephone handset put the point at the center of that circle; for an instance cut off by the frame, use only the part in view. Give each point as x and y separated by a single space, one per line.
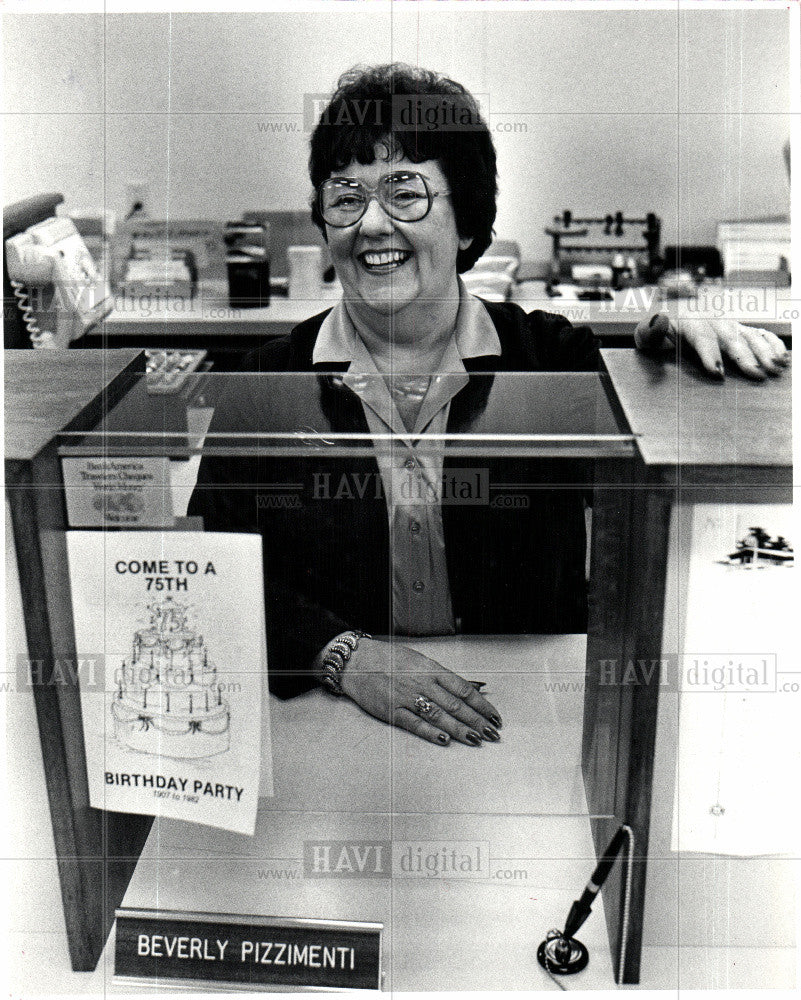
53 253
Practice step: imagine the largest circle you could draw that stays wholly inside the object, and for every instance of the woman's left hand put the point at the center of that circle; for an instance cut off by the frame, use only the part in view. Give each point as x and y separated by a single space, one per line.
757 353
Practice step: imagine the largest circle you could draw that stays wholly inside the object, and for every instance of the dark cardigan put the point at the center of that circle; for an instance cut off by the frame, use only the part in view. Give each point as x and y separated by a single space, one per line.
326 560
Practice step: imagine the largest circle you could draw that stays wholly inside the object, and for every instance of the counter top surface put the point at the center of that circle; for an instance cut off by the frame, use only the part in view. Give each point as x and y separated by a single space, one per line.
627 307
341 775
683 418
209 313
46 390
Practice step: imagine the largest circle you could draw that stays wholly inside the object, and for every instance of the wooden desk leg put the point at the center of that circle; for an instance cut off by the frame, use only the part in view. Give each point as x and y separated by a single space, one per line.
624 650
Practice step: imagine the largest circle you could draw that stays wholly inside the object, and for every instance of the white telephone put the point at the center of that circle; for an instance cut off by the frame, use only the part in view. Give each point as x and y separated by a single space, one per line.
53 253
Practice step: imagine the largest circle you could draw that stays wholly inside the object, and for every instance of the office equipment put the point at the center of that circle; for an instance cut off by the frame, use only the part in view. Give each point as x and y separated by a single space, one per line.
51 271
203 238
305 271
701 261
755 251
292 228
492 277
96 229
560 952
678 284
160 272
247 260
16 219
579 243
169 370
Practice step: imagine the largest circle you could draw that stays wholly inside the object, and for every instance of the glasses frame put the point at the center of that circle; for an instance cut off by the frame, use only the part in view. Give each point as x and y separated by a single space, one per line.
372 192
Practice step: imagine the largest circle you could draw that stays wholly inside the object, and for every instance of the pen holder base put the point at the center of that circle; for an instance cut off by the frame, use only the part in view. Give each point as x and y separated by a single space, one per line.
562 956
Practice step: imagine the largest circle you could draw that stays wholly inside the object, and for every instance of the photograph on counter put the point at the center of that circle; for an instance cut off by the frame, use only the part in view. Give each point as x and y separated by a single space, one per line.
399 464
173 720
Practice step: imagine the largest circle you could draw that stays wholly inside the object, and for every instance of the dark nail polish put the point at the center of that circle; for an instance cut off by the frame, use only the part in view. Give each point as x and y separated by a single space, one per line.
478 685
443 739
496 720
719 368
491 734
473 739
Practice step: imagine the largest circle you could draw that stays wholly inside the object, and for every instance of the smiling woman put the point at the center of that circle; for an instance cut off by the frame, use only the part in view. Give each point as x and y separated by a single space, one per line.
404 175
404 210
368 119
398 268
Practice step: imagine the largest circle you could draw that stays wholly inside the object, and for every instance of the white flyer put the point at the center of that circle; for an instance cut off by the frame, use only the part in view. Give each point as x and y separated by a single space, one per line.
739 702
175 720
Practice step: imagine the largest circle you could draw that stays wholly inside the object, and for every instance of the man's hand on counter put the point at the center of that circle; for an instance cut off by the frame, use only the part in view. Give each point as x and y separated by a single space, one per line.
757 353
412 691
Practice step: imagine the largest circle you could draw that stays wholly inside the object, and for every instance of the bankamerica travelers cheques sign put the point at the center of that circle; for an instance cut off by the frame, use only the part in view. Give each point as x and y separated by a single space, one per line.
170 638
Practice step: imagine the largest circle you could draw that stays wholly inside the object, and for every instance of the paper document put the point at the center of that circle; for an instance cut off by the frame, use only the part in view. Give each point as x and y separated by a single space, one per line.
738 735
175 713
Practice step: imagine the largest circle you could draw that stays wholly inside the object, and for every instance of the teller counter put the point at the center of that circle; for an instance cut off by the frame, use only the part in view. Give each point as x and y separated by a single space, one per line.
487 844
614 318
529 461
208 322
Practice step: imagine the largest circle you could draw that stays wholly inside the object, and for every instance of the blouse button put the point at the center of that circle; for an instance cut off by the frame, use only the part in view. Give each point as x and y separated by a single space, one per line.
418 586
414 527
410 463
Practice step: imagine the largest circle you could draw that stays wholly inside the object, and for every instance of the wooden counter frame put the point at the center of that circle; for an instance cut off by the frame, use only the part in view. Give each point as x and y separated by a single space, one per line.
625 613
96 851
632 510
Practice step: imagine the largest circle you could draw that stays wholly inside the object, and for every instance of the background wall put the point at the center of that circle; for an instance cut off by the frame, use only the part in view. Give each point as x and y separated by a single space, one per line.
208 108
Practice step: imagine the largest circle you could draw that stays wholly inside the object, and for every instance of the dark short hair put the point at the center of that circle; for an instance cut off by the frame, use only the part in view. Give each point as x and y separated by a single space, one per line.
441 122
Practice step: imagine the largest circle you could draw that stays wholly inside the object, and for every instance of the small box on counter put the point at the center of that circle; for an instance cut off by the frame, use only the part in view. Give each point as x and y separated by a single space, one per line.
248 264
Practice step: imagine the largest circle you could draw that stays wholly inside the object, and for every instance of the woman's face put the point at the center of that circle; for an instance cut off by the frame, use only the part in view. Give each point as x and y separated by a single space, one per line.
426 268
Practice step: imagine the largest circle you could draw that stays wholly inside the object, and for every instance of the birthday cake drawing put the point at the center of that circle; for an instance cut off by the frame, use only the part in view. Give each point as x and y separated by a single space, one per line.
168 699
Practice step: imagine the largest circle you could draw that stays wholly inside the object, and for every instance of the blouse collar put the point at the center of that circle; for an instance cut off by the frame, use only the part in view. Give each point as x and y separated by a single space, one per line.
474 336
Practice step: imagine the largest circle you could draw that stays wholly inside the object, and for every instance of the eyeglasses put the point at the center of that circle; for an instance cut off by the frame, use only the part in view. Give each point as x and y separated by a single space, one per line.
404 195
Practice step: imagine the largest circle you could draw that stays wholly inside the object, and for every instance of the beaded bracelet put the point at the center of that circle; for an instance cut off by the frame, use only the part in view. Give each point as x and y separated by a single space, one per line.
337 655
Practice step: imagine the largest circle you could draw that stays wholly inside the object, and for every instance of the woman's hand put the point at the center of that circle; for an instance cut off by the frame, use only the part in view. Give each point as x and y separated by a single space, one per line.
757 353
397 685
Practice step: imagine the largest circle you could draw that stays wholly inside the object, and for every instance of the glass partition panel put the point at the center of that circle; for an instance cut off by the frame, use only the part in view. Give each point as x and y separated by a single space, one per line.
302 414
464 541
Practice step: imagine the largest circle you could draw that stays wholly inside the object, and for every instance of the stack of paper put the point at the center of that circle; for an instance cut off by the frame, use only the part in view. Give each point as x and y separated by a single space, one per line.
755 245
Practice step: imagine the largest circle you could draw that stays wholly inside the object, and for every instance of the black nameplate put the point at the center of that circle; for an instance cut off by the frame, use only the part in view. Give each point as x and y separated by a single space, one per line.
247 950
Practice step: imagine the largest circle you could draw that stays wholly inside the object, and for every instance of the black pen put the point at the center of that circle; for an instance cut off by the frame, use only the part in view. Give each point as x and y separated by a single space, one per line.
580 909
